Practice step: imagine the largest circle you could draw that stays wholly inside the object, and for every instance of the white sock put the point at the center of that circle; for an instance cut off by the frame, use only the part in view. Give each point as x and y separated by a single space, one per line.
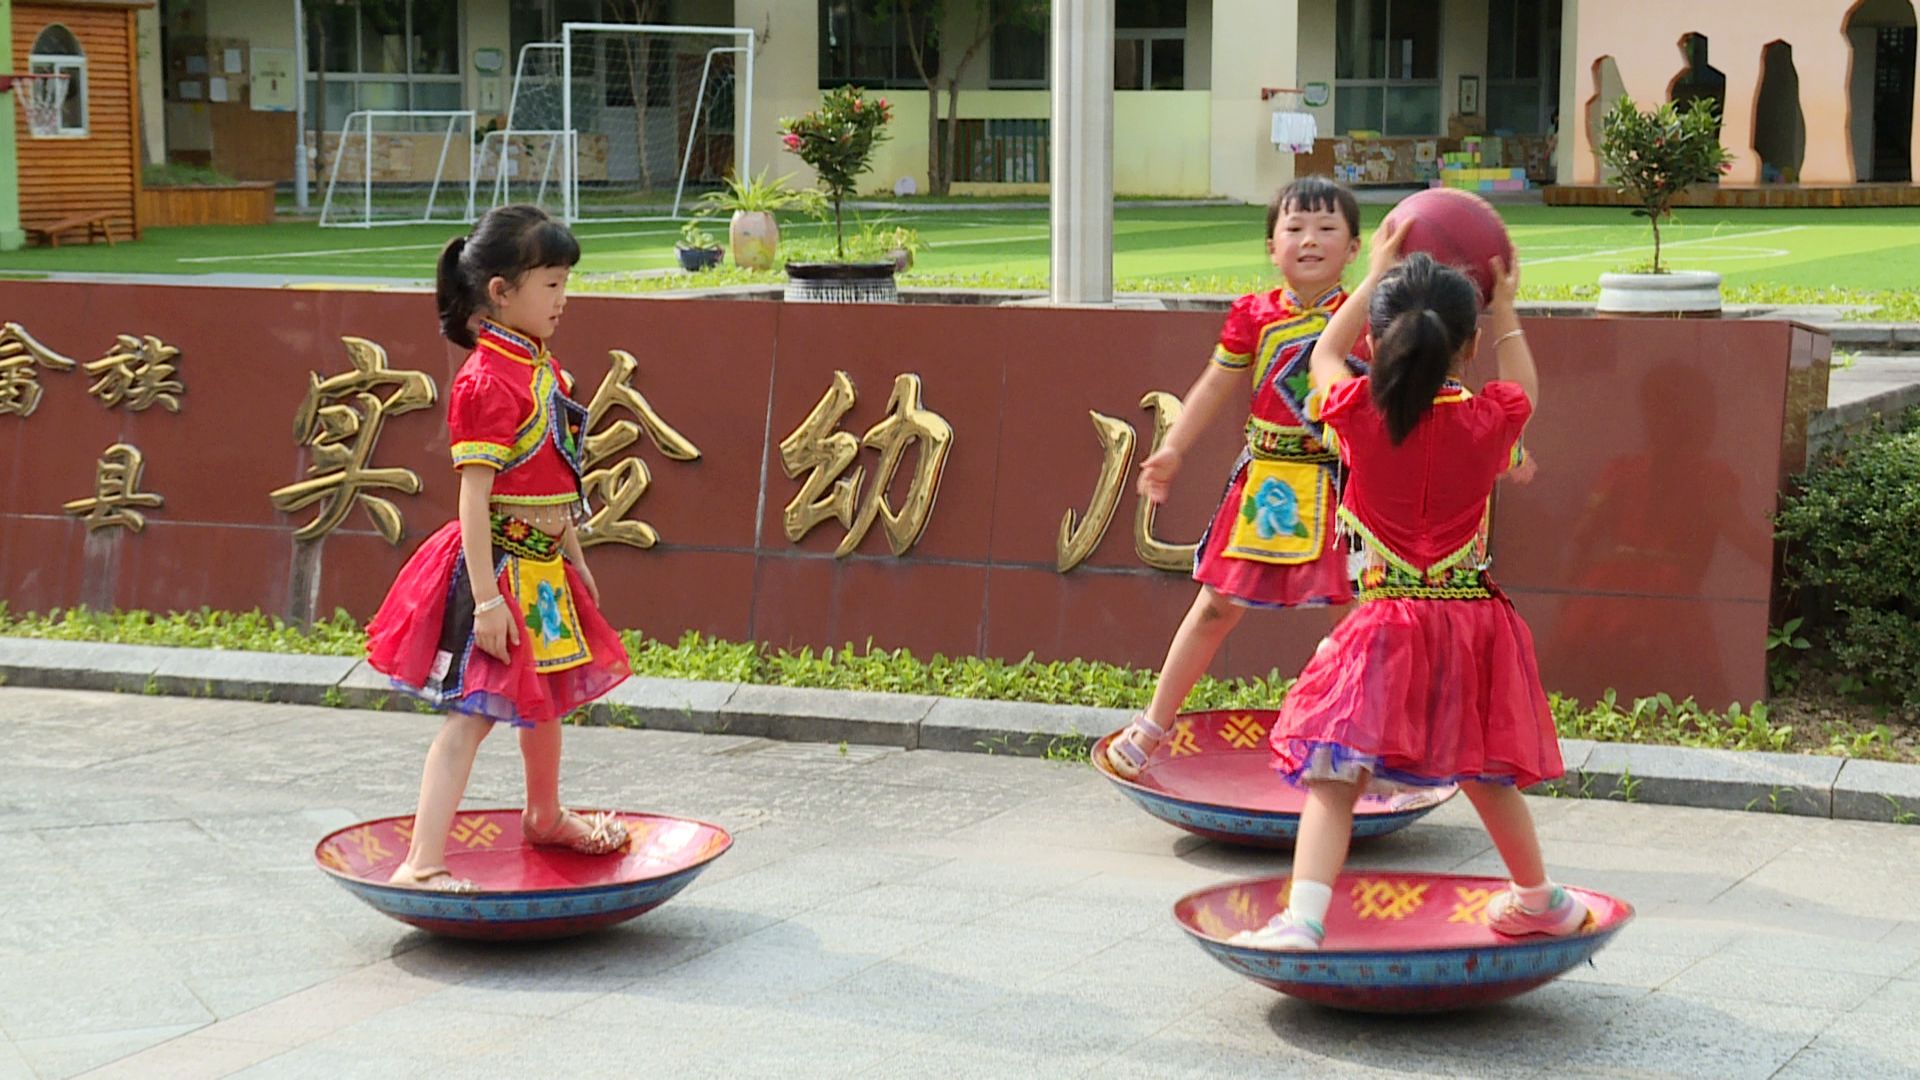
1535 898
1309 900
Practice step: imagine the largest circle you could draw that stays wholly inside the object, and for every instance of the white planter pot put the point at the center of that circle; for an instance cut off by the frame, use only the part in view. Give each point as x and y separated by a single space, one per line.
755 236
1680 292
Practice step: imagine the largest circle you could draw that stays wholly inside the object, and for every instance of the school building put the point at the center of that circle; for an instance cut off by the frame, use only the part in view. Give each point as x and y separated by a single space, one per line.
1814 93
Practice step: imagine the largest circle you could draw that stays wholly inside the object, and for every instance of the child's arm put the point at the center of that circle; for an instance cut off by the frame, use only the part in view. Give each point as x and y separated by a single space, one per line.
1328 361
1212 390
1509 342
493 625
570 543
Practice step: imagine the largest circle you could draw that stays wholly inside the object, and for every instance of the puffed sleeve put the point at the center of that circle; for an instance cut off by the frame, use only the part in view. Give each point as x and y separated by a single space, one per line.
1514 410
482 415
1238 336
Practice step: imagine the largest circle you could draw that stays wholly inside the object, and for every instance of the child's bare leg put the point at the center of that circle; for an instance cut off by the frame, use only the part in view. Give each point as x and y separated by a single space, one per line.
449 764
547 821
1326 830
1503 811
1211 618
1534 905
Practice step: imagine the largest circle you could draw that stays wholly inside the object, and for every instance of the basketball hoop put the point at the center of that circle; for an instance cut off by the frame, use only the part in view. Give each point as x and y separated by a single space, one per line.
1294 128
41 95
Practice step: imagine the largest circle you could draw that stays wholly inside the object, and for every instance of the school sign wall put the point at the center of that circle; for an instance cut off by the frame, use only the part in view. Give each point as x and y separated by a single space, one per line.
950 479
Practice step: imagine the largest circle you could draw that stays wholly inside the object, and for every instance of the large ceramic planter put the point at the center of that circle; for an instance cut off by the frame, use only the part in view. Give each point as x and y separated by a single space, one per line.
754 236
1677 294
842 283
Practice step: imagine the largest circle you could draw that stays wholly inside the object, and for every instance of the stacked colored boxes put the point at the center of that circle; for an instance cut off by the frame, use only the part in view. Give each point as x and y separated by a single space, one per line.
1476 167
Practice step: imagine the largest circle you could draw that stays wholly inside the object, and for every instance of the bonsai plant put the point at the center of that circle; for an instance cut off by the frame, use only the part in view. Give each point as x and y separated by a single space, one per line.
697 248
837 140
753 232
1655 156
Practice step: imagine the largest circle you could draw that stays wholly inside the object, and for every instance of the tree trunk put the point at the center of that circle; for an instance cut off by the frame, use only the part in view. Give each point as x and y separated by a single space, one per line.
1656 242
953 134
936 168
320 172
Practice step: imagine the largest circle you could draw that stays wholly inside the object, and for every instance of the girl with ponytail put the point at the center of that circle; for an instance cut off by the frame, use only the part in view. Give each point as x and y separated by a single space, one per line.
1432 680
496 617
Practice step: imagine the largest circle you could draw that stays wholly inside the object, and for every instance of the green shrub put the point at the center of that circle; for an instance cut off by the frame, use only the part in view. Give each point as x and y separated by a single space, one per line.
1852 535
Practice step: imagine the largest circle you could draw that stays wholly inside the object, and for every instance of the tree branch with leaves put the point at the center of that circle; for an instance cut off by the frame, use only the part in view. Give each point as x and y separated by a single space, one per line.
1657 154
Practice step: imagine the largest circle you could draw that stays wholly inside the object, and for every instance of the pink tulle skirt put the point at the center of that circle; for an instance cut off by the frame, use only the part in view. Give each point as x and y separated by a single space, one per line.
1421 693
1324 582
422 639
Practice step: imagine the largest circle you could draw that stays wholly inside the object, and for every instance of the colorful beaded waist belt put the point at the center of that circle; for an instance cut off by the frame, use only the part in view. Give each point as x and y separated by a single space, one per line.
1274 443
1454 583
517 538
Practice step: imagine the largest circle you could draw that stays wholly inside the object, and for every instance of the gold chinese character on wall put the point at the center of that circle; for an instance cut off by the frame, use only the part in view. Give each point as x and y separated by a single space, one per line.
340 421
21 357
821 451
1077 540
621 485
137 371
116 492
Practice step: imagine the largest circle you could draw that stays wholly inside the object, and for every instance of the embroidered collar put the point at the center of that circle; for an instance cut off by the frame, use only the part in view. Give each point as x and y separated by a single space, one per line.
1452 392
512 344
1324 303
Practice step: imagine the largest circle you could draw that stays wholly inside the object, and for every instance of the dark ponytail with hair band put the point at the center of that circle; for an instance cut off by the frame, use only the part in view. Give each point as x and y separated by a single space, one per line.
1422 315
507 243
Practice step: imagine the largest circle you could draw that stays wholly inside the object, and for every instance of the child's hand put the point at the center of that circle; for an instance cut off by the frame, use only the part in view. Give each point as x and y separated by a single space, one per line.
1383 251
1157 473
1506 282
1523 472
494 631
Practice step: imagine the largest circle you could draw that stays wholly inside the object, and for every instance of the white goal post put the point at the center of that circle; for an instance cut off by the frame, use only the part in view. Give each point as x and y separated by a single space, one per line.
625 84
400 167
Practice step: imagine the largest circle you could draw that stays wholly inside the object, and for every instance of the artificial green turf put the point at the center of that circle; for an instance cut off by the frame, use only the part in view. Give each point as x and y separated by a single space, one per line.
1209 246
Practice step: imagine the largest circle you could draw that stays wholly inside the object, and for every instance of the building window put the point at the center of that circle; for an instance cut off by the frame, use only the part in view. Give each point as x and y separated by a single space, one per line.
1523 65
57 52
385 54
862 48
1386 62
1149 48
1017 55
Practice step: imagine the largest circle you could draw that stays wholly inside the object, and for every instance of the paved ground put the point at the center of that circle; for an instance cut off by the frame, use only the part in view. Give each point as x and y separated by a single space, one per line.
884 913
1870 375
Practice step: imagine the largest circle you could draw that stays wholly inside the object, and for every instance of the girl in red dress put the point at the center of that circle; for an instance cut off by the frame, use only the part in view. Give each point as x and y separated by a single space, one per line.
1272 542
1432 679
496 617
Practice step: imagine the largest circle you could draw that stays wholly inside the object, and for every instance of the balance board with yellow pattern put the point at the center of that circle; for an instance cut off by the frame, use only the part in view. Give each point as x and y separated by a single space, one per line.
526 892
1396 943
1213 775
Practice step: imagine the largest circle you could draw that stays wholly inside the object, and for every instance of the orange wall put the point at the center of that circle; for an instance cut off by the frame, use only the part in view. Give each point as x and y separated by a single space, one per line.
1642 37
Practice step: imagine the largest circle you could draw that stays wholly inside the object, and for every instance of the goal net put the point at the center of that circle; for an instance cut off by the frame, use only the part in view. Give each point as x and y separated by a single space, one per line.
529 157
653 114
399 167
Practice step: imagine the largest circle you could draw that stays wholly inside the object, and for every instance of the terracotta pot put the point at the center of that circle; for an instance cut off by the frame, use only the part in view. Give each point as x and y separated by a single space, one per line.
1676 294
755 237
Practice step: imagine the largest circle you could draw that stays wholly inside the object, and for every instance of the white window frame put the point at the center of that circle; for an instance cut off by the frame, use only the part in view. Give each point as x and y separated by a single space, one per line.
75 69
1147 37
407 78
1389 84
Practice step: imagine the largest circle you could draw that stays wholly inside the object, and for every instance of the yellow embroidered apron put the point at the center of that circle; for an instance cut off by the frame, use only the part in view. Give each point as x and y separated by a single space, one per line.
1283 512
552 625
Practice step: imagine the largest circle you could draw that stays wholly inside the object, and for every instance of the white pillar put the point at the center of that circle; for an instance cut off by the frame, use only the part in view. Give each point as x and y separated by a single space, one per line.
1082 187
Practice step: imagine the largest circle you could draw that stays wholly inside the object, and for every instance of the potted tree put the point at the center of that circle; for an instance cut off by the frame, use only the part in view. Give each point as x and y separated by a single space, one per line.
838 140
1655 156
753 232
697 248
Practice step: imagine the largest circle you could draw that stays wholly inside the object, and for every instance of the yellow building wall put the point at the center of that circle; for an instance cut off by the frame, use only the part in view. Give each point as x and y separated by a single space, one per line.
1161 139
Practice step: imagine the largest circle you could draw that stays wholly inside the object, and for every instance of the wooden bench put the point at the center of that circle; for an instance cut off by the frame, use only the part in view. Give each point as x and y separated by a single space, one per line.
95 223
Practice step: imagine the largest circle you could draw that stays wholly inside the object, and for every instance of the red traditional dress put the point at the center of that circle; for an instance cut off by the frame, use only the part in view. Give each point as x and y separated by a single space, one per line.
1432 679
508 411
1272 543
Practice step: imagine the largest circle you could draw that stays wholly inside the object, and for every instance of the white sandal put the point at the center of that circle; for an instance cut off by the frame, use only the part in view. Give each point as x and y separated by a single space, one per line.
1126 756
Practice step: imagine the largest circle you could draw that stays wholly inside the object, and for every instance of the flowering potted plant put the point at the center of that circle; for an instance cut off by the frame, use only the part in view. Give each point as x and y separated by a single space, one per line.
1655 156
697 248
838 140
753 233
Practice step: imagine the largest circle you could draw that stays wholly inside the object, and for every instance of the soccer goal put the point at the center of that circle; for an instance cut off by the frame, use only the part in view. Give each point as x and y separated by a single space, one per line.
530 157
652 115
399 167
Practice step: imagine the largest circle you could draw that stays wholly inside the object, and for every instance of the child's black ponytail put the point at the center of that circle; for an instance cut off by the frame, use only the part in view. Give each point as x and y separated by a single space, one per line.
455 295
1423 314
507 243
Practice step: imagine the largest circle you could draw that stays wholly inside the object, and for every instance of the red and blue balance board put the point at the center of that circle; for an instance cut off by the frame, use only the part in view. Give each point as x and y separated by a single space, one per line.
1396 943
1213 775
526 892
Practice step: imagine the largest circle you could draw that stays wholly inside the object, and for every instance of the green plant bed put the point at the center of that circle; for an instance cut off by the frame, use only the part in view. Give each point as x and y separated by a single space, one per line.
1813 719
